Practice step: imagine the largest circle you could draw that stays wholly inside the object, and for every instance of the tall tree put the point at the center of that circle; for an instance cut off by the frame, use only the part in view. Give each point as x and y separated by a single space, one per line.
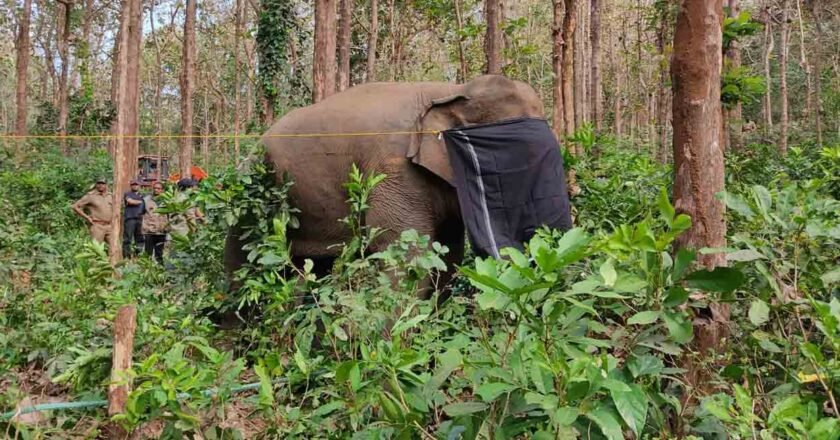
662 90
803 63
567 72
558 121
126 99
816 11
493 37
237 70
23 48
698 155
187 89
783 89
323 62
595 45
732 117
63 81
767 103
345 26
373 38
463 67
271 43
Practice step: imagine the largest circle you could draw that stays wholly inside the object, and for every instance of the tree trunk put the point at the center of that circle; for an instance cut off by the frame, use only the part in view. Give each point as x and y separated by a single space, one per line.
783 91
237 92
733 116
662 90
578 74
23 47
803 63
463 69
125 324
392 31
323 64
158 87
373 37
595 80
345 26
493 37
187 89
767 107
567 74
126 97
816 10
63 80
557 115
698 159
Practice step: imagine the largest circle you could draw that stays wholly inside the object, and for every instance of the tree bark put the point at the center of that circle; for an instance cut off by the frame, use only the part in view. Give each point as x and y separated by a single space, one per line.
493 38
595 80
803 63
767 108
463 68
323 64
557 116
63 80
662 90
345 24
816 11
783 91
187 89
567 73
125 324
158 88
733 116
578 72
237 92
126 99
698 158
373 38
24 48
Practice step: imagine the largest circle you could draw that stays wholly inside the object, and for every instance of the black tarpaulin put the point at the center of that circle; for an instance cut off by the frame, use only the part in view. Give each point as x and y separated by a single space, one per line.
510 181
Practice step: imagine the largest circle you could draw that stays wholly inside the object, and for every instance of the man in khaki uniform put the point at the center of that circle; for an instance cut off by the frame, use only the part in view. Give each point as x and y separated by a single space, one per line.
99 203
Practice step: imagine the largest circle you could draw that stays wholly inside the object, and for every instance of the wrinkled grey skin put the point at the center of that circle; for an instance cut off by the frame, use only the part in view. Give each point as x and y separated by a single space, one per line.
417 192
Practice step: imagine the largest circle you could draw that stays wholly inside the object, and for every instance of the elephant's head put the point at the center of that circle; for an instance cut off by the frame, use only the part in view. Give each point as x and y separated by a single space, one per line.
486 99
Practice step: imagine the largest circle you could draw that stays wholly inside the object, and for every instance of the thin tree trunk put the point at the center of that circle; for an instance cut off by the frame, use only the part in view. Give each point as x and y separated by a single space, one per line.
344 29
158 87
767 108
22 68
698 161
237 68
125 96
125 324
558 115
493 38
373 38
577 62
63 81
187 89
567 74
732 117
323 64
463 69
803 63
783 91
595 44
816 9
205 131
392 68
662 90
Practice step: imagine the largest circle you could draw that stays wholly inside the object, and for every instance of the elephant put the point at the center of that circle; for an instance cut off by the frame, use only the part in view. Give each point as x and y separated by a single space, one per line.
390 128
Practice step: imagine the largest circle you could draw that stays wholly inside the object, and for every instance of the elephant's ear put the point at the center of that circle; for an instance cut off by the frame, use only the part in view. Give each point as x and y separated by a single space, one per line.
427 147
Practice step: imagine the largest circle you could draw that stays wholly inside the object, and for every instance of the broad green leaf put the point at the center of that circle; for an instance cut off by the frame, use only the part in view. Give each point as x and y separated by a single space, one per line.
763 200
565 416
632 405
464 408
266 396
745 255
678 327
682 262
718 410
825 429
644 318
645 365
831 277
300 360
628 283
402 326
759 312
324 410
339 333
721 279
675 296
484 282
492 300
737 204
490 391
666 209
608 273
681 223
606 419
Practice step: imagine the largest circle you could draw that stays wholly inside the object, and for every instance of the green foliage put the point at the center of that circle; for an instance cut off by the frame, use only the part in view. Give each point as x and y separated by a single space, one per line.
735 28
738 86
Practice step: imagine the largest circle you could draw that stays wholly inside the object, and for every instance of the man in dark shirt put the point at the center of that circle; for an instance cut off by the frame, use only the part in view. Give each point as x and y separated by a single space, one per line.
133 221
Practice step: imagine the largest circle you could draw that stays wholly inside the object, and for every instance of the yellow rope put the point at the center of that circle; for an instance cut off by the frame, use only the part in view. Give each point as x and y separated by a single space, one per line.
210 136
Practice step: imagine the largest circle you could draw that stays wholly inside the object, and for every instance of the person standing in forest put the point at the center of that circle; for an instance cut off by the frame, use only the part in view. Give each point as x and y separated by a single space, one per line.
154 224
99 204
132 232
